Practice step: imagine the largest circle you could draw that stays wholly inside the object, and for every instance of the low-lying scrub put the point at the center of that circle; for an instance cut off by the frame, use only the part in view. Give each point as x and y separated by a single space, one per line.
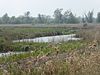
66 58
70 63
39 49
15 33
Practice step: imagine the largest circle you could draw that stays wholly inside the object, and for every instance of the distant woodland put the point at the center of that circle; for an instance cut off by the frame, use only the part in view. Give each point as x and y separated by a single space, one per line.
67 17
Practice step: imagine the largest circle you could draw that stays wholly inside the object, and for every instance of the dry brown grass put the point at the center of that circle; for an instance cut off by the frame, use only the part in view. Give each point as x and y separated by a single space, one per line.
72 63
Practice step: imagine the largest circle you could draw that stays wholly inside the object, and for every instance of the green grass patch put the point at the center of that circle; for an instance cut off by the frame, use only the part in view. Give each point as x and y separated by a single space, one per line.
41 49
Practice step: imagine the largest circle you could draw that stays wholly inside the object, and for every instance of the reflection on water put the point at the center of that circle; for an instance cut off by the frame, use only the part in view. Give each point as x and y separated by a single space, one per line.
10 53
56 39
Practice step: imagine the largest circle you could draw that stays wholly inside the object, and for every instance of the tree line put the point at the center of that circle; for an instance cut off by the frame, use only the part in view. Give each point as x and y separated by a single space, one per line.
58 18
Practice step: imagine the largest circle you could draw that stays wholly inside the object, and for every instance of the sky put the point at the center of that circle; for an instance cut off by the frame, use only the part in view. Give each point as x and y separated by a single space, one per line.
19 7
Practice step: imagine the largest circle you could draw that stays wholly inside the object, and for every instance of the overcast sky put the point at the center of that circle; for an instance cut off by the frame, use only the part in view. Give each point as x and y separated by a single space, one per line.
18 7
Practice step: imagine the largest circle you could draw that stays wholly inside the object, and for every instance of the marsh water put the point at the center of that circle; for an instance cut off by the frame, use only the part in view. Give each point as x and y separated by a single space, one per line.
55 39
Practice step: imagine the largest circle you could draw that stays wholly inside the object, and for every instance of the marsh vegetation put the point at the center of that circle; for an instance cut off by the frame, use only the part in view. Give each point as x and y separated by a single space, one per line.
63 58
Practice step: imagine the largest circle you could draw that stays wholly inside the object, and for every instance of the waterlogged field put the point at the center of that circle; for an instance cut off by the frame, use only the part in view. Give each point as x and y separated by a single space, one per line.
65 58
8 34
32 32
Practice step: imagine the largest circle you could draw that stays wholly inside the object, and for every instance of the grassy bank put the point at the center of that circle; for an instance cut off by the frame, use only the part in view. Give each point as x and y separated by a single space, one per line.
40 49
72 58
66 58
45 59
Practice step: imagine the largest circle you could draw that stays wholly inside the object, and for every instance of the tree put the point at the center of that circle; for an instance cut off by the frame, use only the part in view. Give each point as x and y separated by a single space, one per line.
89 17
5 19
13 20
27 14
98 17
43 19
40 18
72 18
58 16
27 18
68 17
34 21
83 20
